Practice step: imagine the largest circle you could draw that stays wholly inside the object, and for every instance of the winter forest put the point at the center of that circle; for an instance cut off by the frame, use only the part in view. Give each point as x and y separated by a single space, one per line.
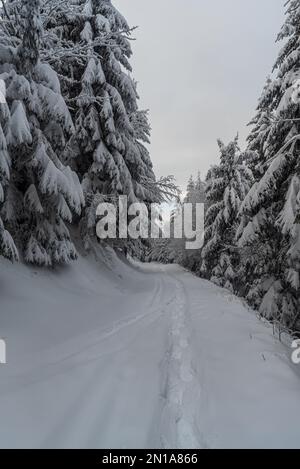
73 135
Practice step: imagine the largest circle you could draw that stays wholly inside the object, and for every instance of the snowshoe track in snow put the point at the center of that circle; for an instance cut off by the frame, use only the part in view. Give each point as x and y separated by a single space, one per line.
182 390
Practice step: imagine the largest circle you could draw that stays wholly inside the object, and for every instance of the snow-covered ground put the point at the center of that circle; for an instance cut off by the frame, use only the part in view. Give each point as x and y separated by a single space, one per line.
108 354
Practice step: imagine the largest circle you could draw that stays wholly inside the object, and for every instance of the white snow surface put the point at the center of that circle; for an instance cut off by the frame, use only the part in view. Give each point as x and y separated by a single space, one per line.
112 354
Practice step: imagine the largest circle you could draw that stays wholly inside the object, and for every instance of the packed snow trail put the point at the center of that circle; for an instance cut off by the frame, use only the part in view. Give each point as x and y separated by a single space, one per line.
183 389
114 355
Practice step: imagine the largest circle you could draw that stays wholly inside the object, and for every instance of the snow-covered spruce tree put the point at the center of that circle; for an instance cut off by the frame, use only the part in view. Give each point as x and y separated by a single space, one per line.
190 190
227 185
111 132
251 266
195 194
195 191
7 245
262 121
200 188
273 204
42 192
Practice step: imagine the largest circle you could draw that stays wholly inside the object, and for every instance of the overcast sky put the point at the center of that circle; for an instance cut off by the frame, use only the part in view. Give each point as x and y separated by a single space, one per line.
201 66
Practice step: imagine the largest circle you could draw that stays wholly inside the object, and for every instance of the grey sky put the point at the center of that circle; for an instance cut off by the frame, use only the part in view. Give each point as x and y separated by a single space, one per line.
201 66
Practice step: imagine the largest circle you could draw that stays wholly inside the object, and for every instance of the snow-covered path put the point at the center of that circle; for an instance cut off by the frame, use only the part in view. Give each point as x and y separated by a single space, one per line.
151 357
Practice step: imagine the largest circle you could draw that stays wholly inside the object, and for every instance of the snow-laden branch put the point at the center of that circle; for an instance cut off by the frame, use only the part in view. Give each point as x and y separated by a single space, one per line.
164 189
292 142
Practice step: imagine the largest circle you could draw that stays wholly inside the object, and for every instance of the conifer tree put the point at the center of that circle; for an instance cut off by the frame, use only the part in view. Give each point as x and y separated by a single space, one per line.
111 131
200 189
190 190
227 185
262 122
43 192
7 245
272 205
